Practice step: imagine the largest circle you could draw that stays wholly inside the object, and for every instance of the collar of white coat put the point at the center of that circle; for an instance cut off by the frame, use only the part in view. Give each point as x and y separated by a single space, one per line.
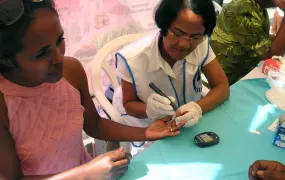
156 61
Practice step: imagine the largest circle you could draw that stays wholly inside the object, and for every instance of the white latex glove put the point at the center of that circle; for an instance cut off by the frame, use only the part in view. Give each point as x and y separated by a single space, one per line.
158 107
191 112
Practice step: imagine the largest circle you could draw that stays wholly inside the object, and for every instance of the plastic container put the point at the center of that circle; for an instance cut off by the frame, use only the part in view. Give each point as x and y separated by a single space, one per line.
279 139
276 80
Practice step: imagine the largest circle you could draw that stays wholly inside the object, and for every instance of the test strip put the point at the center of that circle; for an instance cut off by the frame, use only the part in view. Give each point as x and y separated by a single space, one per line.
255 132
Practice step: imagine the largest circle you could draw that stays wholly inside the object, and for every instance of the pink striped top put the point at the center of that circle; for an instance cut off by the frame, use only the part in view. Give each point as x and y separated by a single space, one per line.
46 124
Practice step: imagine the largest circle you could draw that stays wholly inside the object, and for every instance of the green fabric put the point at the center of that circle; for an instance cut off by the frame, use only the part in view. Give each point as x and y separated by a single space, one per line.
178 158
241 37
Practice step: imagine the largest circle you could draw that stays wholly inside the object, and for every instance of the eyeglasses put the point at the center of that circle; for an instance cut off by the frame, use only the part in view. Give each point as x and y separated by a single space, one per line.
197 39
12 10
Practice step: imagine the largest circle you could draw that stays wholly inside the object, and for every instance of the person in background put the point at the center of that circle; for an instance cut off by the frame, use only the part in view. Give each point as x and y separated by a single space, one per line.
173 59
277 20
45 103
241 38
266 170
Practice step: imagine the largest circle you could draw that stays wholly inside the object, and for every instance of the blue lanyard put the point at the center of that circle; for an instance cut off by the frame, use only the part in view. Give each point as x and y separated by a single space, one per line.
175 92
184 85
184 81
196 79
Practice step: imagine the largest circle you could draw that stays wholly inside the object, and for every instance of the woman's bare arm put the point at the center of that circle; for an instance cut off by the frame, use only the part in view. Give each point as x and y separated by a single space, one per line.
133 106
219 84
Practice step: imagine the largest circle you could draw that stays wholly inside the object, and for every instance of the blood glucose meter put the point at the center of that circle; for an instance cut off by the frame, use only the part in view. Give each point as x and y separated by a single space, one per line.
206 139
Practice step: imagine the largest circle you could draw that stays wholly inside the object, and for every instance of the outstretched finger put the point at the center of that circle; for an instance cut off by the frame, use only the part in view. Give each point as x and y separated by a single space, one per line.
170 134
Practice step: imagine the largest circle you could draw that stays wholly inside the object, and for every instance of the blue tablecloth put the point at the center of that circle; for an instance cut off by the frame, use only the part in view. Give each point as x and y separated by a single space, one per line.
178 158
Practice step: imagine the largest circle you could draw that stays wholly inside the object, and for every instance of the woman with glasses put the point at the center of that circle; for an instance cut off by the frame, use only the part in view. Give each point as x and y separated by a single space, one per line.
45 103
173 60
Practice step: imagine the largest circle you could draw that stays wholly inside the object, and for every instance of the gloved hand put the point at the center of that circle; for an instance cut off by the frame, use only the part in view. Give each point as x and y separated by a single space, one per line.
159 107
191 112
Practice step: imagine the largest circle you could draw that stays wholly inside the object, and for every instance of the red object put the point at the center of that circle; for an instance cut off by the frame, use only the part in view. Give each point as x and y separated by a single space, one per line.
273 65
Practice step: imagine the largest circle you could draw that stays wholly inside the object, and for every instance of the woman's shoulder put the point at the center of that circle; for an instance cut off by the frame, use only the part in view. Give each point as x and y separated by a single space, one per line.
73 72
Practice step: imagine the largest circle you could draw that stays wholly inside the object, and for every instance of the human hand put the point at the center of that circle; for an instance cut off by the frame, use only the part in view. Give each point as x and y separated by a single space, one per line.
163 128
109 166
266 170
190 112
158 107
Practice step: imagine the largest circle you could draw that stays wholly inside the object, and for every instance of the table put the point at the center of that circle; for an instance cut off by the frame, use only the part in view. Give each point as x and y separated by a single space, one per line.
178 158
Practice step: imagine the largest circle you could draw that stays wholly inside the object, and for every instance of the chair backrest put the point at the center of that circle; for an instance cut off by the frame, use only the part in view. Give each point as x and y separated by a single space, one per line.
98 64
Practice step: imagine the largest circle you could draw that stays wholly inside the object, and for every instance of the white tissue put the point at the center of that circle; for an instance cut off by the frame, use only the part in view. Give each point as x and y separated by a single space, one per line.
276 95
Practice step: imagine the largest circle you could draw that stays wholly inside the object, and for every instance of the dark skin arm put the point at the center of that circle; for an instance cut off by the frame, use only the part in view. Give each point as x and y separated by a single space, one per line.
108 130
219 84
133 106
94 125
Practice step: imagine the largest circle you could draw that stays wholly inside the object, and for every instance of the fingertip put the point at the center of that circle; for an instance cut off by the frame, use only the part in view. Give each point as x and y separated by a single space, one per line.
175 133
260 173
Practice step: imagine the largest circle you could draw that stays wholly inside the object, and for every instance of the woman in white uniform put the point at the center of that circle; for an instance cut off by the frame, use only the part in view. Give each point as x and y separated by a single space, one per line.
173 59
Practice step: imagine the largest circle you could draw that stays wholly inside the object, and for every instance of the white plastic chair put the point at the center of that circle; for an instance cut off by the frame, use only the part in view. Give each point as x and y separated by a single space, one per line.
98 64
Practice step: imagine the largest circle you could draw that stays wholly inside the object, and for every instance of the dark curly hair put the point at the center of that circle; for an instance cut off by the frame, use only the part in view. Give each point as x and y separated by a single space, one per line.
168 10
11 36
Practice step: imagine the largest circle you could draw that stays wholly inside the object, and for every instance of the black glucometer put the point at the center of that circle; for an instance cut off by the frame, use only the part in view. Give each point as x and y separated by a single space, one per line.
206 139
